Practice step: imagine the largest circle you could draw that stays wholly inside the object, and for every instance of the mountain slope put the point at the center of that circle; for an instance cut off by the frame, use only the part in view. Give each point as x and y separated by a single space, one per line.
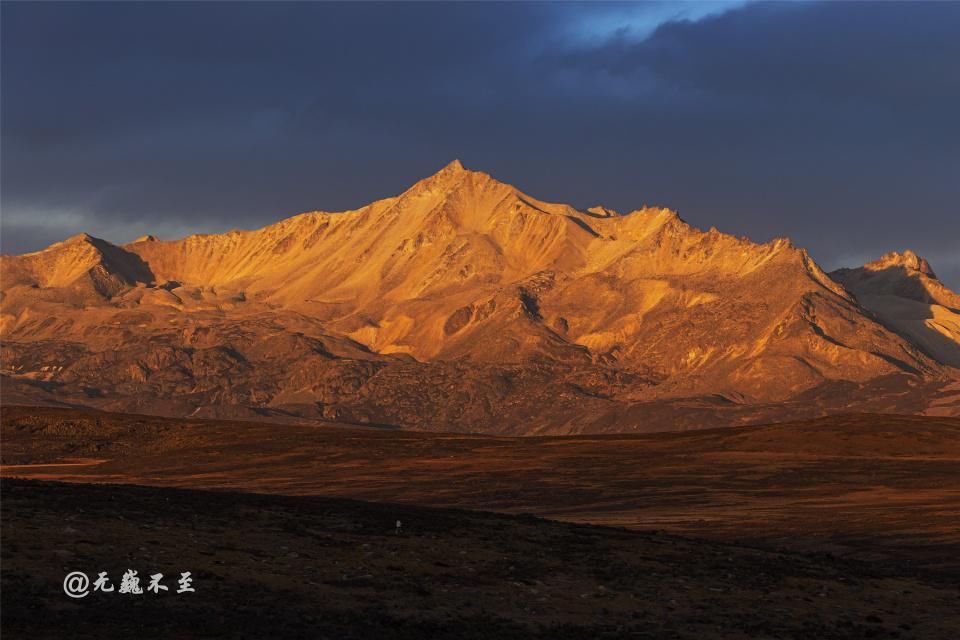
463 303
905 294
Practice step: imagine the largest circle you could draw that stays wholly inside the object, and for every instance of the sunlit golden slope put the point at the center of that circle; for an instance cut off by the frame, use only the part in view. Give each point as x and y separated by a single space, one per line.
460 268
905 294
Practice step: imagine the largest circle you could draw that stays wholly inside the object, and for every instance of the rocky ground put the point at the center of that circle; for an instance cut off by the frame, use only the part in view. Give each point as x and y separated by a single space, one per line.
276 566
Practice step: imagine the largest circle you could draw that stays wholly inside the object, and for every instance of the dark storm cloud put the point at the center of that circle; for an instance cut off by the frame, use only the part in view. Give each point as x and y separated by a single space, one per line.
832 123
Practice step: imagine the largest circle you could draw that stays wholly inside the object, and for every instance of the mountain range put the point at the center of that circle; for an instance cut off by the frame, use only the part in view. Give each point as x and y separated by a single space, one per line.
464 304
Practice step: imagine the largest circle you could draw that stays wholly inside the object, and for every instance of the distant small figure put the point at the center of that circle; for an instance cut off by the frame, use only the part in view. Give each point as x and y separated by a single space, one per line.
398 528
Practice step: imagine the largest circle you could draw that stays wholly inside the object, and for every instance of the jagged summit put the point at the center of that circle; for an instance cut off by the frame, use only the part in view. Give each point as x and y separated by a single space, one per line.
454 171
464 289
903 292
602 212
80 237
453 176
908 260
453 166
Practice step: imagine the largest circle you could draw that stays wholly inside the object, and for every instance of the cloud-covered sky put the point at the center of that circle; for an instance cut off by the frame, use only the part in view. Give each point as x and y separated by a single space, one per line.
833 123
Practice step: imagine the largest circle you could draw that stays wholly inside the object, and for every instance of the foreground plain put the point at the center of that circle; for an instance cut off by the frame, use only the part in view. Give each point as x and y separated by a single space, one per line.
312 567
873 488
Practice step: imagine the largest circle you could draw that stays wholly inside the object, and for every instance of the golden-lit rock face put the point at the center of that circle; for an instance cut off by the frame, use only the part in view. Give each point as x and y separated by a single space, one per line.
466 304
904 293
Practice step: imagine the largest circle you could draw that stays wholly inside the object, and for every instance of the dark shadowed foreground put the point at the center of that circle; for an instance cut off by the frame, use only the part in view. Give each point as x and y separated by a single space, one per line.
879 488
277 566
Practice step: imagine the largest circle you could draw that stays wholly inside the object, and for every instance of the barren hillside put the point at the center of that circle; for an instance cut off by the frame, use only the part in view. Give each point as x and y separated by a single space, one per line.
465 304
